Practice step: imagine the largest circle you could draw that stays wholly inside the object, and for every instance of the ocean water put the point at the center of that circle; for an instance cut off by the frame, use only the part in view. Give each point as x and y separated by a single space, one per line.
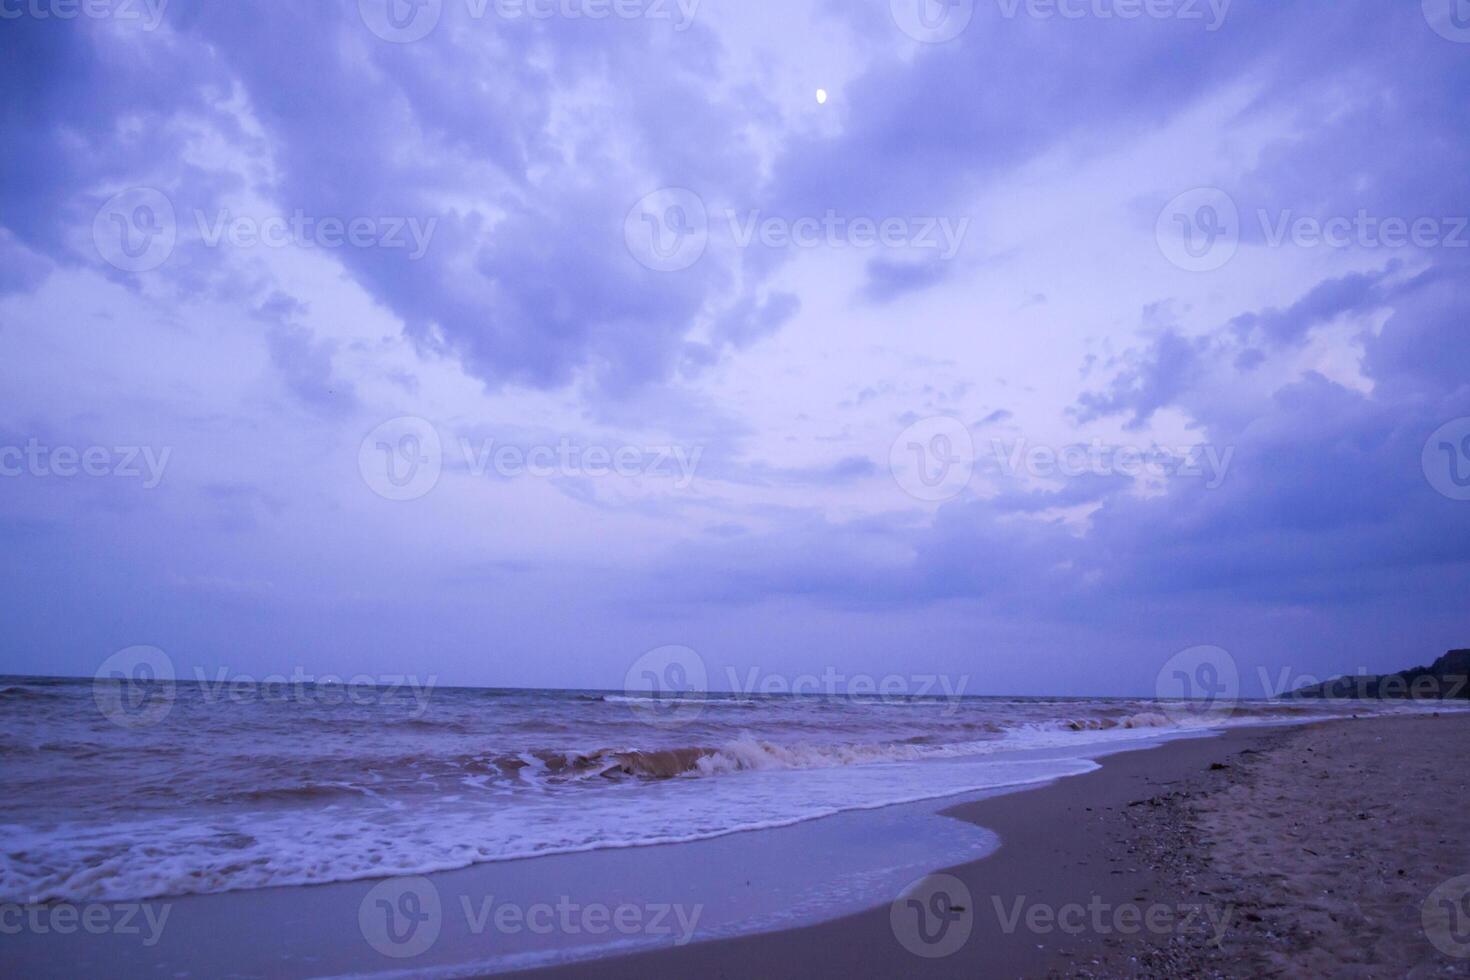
142 791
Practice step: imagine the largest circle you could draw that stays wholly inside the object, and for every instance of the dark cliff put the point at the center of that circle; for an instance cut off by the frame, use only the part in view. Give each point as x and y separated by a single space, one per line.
1448 678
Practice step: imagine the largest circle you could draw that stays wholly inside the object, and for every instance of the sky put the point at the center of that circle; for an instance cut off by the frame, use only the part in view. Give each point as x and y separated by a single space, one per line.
506 340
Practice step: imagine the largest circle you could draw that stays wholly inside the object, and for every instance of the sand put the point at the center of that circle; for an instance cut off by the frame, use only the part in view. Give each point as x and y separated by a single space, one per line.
1328 844
1303 852
1311 852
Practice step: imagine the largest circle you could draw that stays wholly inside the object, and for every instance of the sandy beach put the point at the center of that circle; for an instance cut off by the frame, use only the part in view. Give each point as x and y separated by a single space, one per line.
1305 851
1332 849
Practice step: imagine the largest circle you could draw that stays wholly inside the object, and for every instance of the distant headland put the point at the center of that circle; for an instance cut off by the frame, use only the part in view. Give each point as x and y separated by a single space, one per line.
1448 678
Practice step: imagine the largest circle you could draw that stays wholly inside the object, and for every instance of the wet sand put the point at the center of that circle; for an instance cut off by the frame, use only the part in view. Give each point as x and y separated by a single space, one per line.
1278 852
1320 851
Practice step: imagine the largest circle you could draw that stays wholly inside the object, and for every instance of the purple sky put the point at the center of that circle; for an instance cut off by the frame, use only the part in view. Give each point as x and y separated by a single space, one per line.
895 382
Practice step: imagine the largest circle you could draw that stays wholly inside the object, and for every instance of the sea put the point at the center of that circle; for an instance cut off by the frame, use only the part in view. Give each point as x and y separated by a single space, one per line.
133 791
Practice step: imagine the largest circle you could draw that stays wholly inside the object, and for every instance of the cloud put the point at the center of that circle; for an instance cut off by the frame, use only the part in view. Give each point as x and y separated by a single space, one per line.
525 277
889 279
520 148
1149 380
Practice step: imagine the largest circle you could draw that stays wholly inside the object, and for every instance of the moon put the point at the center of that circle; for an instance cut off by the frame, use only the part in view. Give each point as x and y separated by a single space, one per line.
821 96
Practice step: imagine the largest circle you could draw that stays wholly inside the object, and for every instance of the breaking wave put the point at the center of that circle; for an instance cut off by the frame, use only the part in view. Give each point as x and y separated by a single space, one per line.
224 795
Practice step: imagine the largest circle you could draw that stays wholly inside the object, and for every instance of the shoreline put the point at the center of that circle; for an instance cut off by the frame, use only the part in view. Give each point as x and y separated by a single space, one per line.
1155 857
1150 864
1061 820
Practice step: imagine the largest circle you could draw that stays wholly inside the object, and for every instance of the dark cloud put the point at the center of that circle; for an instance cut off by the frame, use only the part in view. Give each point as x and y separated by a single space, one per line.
1149 380
526 277
889 279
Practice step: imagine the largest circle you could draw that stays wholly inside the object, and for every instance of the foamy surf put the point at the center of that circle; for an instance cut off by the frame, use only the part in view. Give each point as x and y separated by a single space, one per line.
223 795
